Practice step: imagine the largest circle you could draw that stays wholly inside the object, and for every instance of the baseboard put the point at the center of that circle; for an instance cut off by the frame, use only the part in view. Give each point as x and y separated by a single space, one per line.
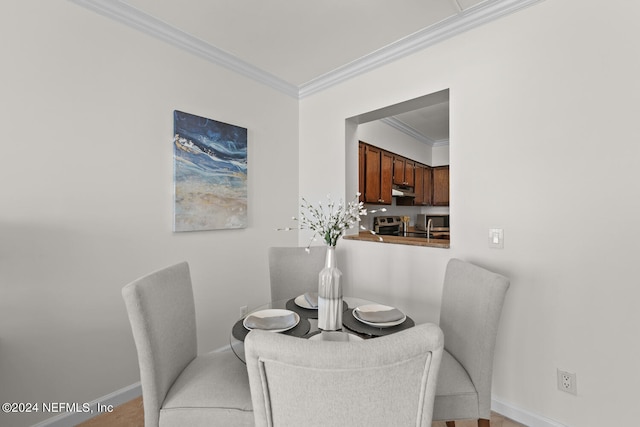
116 398
128 393
521 415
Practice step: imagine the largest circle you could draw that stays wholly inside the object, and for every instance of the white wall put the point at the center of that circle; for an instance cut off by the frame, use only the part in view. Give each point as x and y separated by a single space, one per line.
86 173
440 155
86 196
543 144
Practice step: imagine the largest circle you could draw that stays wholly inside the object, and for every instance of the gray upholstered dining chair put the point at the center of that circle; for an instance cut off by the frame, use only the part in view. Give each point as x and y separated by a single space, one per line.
294 271
472 300
386 381
180 388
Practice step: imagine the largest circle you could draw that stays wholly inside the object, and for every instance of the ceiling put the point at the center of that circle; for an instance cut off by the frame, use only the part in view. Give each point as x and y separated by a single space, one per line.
300 46
300 40
429 124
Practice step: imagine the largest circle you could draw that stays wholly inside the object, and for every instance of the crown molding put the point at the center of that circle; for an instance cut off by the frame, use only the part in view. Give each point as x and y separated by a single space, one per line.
441 143
404 128
475 16
148 24
470 18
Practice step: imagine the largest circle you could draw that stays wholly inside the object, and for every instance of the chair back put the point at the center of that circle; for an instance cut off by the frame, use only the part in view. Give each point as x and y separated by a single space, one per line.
472 300
294 271
162 316
386 381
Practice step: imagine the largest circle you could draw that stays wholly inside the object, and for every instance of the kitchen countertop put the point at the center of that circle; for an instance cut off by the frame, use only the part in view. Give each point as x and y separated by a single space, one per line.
400 240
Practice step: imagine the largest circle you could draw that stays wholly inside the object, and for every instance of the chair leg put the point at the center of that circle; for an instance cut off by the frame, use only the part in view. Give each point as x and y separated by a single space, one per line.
450 423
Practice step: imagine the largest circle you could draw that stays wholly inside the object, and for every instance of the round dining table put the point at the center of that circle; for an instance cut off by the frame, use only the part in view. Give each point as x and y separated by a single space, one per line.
307 327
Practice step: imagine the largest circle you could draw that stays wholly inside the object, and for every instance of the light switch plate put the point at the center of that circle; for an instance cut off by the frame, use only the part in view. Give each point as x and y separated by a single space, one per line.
496 238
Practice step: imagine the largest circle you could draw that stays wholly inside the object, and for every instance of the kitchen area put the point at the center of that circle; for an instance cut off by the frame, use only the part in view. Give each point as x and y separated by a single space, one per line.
391 229
425 227
409 200
403 176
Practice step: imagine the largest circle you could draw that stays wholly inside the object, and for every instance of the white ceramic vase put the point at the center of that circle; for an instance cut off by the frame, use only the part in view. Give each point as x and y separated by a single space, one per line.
330 294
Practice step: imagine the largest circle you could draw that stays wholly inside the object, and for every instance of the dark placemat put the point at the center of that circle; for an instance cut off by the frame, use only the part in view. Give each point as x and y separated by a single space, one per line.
310 334
355 325
308 313
301 329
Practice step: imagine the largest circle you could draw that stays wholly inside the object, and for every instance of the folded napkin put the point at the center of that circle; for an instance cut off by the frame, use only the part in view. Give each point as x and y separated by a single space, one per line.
312 299
270 323
382 316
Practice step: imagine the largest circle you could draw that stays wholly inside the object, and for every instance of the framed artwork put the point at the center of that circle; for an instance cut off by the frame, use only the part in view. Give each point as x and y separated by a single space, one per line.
210 174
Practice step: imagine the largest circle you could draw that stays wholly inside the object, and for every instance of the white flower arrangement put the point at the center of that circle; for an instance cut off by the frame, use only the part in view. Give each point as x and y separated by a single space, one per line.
331 224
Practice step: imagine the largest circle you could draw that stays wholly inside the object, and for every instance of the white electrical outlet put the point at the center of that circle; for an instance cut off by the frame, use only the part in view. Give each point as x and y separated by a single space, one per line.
567 382
243 311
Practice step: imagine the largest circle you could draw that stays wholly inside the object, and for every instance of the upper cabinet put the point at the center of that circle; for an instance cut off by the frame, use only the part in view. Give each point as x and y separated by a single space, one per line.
403 171
380 170
423 185
378 173
441 186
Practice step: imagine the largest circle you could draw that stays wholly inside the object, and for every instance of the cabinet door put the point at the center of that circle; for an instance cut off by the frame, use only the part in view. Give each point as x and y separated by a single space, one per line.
409 170
427 183
378 176
441 186
398 170
373 156
386 176
419 187
423 185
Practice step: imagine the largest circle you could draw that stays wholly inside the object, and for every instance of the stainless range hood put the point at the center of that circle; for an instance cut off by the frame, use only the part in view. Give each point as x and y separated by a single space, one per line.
402 192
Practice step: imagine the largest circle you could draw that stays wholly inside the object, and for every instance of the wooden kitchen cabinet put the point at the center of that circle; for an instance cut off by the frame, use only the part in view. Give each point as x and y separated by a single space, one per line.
409 172
377 176
379 170
423 185
440 186
403 171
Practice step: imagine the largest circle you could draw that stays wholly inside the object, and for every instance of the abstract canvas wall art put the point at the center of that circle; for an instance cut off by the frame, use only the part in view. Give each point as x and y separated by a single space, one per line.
210 174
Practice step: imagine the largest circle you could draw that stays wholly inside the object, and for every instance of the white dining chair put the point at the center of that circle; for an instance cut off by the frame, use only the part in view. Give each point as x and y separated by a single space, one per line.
294 271
386 381
180 387
472 300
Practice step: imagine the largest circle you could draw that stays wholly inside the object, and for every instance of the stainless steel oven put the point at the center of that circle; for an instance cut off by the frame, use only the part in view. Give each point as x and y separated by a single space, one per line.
387 225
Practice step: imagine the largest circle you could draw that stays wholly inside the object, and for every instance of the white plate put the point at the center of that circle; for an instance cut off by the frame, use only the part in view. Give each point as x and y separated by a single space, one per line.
273 312
301 301
376 307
